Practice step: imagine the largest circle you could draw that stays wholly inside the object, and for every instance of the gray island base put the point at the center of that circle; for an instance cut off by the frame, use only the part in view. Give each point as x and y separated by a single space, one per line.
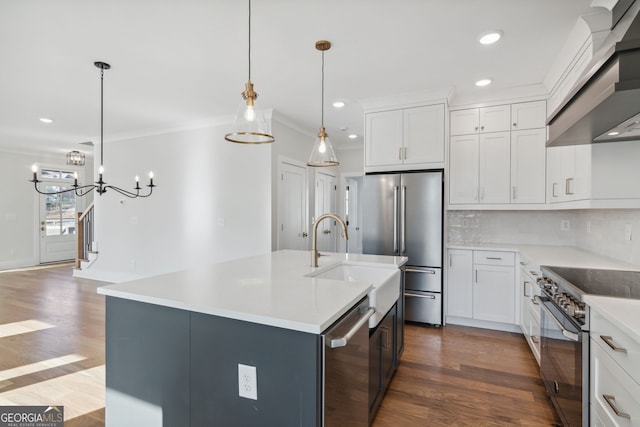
171 363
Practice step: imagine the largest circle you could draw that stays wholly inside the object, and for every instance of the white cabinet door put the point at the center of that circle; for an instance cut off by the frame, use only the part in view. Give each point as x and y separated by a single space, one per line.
383 138
459 280
463 169
495 119
528 115
464 122
494 293
527 166
424 134
494 170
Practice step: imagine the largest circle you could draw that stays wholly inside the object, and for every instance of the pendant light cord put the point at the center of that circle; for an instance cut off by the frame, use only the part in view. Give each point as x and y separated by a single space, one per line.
322 96
101 115
249 40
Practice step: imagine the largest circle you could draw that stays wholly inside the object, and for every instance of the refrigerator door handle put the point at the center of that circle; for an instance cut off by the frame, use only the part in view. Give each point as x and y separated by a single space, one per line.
403 205
395 219
413 270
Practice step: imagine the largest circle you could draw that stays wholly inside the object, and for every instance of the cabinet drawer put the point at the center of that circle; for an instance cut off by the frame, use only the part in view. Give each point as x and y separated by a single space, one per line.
607 336
615 396
494 258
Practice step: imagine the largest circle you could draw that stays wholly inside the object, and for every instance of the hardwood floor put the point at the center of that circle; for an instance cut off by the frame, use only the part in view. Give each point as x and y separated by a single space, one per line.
52 352
460 376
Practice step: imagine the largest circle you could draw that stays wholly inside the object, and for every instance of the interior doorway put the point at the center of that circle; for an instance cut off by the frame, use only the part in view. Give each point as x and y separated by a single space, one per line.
353 213
292 206
57 216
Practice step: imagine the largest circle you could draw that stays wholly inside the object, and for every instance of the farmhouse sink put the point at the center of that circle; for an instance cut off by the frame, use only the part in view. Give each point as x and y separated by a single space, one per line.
384 279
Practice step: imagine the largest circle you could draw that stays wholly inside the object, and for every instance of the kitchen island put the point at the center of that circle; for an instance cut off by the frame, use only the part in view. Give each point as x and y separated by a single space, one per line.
174 342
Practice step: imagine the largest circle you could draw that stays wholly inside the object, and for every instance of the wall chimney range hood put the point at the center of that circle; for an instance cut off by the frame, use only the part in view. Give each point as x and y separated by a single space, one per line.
605 104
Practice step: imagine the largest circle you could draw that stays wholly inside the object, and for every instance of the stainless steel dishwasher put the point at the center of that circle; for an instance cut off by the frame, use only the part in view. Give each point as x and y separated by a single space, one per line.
345 353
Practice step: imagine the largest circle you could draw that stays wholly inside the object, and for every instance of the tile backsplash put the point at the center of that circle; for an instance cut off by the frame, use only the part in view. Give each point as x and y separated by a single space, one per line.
603 231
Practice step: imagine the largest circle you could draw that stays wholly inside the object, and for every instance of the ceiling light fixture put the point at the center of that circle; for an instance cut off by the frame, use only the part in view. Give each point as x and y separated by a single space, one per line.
100 186
46 120
352 136
322 154
338 104
75 158
249 125
483 82
490 37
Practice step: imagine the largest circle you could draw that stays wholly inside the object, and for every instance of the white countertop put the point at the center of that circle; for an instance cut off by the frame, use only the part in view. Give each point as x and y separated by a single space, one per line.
558 256
620 311
269 289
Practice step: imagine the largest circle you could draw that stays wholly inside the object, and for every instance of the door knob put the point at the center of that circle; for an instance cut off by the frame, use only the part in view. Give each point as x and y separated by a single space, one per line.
305 234
41 222
41 228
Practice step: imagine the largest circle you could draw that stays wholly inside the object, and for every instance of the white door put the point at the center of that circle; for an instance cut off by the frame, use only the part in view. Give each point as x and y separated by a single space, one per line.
326 203
57 225
353 214
292 207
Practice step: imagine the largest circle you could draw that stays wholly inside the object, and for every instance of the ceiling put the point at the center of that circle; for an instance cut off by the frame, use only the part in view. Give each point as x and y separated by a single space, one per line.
178 64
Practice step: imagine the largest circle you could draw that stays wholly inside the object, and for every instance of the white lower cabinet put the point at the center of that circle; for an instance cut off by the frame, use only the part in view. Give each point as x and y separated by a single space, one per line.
481 286
530 312
615 375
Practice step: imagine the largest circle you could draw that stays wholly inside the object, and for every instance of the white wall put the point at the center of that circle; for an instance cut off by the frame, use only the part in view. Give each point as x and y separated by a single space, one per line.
19 206
212 203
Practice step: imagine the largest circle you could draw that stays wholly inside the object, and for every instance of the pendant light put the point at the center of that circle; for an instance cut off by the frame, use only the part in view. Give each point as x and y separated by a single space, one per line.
322 154
249 125
99 186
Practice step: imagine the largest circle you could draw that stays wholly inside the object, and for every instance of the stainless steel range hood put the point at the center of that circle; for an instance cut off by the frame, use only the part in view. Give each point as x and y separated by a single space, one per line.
605 105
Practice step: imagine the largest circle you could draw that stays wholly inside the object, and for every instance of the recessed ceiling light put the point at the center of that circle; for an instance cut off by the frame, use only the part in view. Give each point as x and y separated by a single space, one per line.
483 82
490 38
613 133
338 104
352 136
46 120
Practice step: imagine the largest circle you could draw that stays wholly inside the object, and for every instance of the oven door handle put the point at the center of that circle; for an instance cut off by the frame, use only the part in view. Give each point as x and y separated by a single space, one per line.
568 334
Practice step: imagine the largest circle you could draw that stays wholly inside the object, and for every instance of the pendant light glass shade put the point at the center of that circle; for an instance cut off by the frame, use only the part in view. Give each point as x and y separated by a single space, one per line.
322 154
249 125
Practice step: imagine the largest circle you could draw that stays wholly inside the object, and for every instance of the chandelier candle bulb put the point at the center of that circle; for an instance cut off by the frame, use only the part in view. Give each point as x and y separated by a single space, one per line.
75 179
34 169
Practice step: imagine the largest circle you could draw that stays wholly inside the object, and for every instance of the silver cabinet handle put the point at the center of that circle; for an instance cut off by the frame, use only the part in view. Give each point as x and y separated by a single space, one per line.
400 153
409 294
513 192
609 341
343 340
405 153
611 400
553 190
412 270
568 334
534 300
476 274
385 338
535 339
494 258
568 188
525 286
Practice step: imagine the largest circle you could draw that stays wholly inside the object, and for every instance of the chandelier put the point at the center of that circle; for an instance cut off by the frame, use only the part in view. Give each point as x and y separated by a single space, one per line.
100 186
75 158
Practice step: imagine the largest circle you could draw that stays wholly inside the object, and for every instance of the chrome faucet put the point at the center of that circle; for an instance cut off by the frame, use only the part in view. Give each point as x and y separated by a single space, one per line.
314 251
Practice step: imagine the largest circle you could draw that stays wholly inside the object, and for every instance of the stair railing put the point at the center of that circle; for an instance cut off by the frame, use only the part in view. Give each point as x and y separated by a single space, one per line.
84 235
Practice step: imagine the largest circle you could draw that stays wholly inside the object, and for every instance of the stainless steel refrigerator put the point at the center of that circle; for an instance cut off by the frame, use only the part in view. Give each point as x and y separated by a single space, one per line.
402 214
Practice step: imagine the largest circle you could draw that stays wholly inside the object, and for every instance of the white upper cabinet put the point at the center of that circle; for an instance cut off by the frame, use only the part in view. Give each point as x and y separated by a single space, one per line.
510 164
480 120
409 138
528 153
494 158
528 115
424 134
383 142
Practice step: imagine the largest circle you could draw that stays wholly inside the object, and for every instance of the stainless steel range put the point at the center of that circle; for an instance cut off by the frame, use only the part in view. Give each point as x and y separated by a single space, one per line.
564 321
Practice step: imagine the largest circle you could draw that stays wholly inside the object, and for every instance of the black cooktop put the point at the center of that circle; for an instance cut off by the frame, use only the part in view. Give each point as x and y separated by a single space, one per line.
613 283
